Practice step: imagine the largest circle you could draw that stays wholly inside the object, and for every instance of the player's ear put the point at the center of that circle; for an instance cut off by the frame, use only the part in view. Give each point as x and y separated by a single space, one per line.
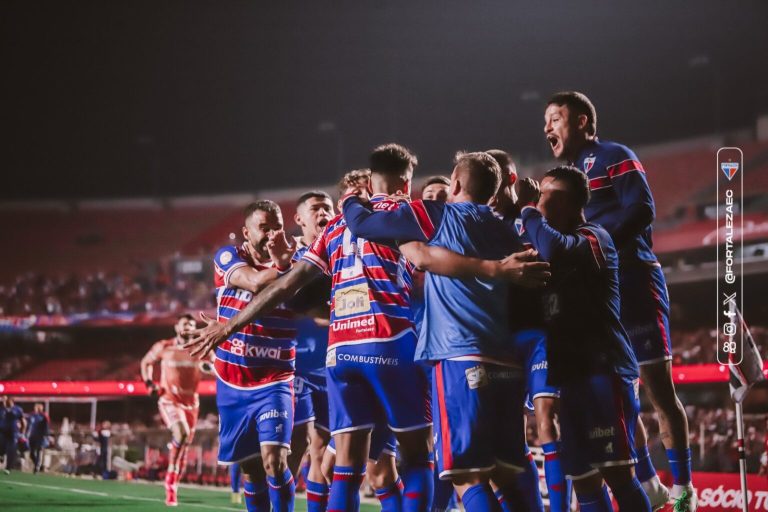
297 219
245 233
581 122
455 187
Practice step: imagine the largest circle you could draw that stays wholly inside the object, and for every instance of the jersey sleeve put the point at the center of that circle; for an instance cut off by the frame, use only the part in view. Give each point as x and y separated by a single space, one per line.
317 254
226 261
581 248
415 221
630 184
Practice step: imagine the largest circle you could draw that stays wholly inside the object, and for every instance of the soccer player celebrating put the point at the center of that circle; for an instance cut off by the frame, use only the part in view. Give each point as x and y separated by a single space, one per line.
178 401
478 388
255 363
621 201
369 364
527 326
38 430
314 209
588 351
435 188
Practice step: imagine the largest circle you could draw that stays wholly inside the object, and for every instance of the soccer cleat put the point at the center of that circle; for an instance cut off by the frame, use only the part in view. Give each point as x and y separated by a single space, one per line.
687 501
658 493
171 499
236 498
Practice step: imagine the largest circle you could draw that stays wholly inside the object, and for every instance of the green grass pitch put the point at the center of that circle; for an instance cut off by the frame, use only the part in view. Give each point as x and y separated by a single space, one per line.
23 491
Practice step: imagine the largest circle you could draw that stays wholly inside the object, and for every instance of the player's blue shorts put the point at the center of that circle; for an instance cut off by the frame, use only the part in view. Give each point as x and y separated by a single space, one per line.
250 418
363 379
383 441
645 312
478 417
311 398
531 348
597 424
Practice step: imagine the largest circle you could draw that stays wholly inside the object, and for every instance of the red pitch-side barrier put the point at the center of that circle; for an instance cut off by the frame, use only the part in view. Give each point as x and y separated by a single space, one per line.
690 374
721 492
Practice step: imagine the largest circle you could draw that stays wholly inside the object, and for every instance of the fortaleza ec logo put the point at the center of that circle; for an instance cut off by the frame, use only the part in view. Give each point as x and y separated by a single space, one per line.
729 169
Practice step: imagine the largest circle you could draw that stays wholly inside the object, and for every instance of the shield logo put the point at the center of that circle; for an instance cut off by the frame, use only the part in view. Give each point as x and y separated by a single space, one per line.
519 226
729 169
588 163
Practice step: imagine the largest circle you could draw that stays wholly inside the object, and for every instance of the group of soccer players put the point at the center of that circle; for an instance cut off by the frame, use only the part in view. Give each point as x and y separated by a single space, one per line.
445 319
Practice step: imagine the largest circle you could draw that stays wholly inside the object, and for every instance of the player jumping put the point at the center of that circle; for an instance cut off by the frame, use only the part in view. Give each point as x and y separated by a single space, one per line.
621 201
178 400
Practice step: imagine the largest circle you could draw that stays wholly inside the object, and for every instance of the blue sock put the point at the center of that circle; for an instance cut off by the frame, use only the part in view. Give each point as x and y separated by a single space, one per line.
598 502
442 494
345 489
234 477
418 479
632 497
558 487
304 471
480 498
680 465
503 503
317 496
391 498
281 491
256 496
644 468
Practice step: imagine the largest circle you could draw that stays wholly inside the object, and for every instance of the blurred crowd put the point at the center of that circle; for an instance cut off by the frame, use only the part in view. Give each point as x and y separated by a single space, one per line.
699 346
142 289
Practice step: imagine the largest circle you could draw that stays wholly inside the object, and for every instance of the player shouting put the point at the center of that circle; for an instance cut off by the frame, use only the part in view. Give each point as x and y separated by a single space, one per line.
622 203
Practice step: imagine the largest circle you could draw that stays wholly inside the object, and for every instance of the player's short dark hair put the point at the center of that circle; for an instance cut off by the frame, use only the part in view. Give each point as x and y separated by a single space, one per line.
436 180
579 104
392 160
484 175
575 180
352 177
316 194
264 205
185 316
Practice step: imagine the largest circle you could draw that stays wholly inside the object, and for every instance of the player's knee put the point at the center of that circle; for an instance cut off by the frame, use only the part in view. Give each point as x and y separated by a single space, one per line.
617 476
382 473
415 445
275 462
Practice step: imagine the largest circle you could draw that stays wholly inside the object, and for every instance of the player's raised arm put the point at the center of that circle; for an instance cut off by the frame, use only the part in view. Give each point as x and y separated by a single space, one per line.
631 187
414 221
204 340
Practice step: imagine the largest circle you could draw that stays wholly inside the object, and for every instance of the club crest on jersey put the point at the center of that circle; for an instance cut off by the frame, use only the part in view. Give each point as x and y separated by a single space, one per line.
225 257
729 169
588 163
519 226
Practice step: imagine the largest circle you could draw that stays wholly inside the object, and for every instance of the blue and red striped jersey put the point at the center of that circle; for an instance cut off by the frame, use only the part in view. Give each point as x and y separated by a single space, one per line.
264 351
462 317
618 186
370 284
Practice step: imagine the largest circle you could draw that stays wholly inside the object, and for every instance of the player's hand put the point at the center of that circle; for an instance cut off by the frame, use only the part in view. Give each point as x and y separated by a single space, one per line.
204 339
522 269
355 190
280 250
151 387
527 192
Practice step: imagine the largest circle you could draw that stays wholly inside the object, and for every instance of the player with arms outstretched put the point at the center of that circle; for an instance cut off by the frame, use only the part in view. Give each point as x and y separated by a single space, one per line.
622 203
178 400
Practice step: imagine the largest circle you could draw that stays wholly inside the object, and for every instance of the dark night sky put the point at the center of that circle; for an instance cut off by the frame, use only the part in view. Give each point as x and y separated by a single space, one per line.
118 98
